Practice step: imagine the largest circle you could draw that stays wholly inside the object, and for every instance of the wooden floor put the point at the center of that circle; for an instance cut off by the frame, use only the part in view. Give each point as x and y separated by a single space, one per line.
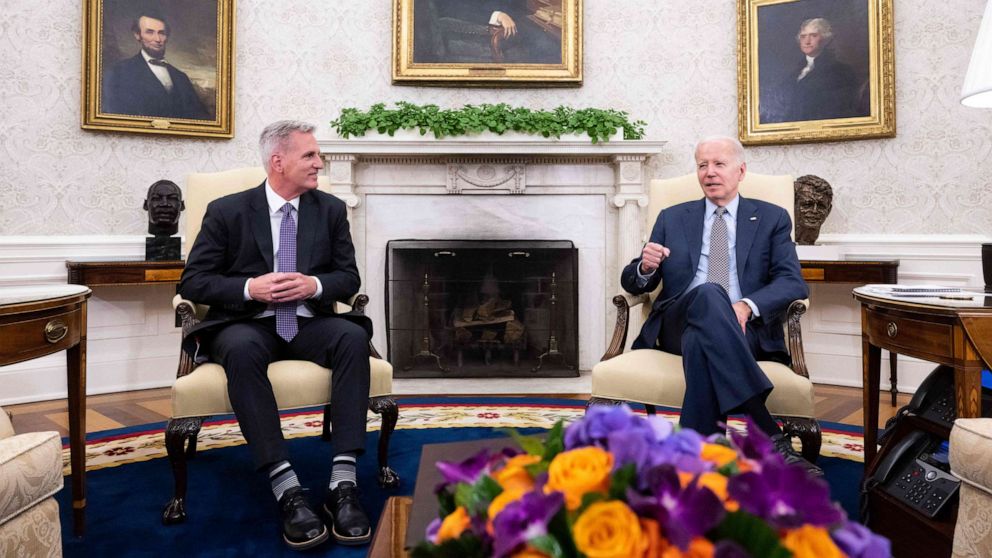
105 412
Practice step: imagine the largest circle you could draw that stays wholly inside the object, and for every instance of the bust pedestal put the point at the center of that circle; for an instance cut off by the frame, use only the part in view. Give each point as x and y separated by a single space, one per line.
161 248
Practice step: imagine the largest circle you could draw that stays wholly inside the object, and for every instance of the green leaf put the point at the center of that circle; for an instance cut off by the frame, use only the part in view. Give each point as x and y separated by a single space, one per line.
752 534
475 498
468 544
554 442
530 444
548 545
622 478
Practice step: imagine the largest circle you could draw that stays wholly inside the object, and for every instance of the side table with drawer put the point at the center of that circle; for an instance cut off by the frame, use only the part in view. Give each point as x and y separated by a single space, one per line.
39 320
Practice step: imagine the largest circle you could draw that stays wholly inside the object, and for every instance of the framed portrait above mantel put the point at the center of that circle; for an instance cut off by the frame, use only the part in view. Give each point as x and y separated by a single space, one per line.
514 43
815 70
163 67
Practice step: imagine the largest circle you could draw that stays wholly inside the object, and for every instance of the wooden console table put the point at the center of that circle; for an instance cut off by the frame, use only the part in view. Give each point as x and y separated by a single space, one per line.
955 333
859 272
123 272
39 320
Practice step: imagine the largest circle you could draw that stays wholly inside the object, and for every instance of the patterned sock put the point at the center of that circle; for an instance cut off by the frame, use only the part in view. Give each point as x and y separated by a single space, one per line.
343 469
282 477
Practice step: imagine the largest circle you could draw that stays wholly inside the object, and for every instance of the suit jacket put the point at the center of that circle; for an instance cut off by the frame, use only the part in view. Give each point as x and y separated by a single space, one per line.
829 90
130 87
767 266
235 243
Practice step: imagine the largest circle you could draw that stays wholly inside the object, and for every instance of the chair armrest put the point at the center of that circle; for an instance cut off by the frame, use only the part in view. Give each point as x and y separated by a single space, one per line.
795 312
6 428
624 302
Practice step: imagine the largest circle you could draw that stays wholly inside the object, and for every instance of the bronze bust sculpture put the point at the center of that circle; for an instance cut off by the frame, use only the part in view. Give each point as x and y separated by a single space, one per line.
163 203
814 200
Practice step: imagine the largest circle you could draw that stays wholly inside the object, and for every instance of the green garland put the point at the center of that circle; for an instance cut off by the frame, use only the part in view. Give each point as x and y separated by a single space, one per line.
598 124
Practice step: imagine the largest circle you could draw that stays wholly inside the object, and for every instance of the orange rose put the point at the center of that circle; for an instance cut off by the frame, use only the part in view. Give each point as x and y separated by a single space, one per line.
501 501
578 472
720 455
609 530
529 552
718 484
514 474
453 525
652 533
698 548
811 542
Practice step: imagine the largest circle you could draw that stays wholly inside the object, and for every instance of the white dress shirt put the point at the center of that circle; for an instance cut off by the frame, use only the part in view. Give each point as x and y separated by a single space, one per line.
702 270
161 72
275 203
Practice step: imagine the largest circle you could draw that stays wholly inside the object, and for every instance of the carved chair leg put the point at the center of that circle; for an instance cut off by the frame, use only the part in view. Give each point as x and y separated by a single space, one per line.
325 429
180 443
386 408
809 433
603 401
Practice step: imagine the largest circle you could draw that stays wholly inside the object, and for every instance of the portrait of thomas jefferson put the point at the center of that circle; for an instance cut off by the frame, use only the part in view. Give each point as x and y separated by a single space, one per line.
487 31
157 65
819 71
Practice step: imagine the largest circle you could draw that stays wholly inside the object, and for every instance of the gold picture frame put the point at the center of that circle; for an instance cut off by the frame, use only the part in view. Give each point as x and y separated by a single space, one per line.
534 43
785 96
166 68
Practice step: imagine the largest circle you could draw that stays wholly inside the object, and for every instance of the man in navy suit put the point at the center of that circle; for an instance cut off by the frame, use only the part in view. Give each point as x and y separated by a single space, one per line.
271 262
147 85
728 270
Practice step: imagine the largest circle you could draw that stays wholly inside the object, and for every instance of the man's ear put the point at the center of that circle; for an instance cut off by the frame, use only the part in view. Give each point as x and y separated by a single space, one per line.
145 205
182 205
743 170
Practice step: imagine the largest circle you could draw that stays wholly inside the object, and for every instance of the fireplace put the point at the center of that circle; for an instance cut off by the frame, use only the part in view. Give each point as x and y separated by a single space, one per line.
482 308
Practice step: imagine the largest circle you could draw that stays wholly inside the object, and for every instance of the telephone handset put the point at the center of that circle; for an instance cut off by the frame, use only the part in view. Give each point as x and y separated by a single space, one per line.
916 471
933 400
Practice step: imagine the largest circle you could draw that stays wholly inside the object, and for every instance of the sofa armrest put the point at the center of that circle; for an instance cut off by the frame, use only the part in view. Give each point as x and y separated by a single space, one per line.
30 471
6 428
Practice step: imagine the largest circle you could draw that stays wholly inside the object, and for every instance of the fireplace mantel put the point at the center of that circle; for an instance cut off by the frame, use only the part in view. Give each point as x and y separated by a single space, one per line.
380 168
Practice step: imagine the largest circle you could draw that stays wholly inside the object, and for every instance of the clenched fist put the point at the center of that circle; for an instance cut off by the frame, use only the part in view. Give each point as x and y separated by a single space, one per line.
651 257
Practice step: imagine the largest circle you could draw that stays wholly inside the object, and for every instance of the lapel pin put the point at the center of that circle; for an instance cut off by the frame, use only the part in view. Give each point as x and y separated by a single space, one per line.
753 219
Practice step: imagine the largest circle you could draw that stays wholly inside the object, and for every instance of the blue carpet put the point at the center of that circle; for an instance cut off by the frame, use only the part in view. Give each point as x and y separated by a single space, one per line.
231 511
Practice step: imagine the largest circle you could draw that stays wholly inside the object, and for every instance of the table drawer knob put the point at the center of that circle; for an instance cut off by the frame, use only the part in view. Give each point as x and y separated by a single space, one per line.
892 329
55 330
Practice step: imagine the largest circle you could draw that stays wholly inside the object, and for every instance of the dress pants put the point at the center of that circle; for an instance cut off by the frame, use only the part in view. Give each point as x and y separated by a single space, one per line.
718 359
245 350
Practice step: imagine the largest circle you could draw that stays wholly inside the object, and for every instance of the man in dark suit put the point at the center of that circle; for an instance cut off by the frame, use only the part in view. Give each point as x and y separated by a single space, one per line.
147 85
271 262
819 86
728 270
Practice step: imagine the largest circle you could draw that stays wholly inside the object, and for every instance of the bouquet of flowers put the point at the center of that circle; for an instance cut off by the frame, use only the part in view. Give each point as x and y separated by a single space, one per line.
615 484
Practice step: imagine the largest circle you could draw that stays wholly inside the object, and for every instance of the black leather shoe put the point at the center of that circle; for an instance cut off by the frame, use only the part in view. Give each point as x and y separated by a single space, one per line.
348 521
783 445
301 526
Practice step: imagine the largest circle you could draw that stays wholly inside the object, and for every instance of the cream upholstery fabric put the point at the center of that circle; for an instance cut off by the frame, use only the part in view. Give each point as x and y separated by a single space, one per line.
296 383
655 377
30 473
971 448
637 376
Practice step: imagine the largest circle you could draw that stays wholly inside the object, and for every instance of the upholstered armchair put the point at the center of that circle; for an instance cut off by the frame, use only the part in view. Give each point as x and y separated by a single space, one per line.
655 378
30 475
970 448
200 390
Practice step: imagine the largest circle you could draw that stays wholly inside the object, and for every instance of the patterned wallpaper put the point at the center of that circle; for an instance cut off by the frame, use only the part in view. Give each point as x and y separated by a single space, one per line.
671 66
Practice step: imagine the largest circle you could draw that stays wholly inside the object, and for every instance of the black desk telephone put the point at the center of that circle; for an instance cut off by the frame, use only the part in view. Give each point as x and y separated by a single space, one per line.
933 400
916 472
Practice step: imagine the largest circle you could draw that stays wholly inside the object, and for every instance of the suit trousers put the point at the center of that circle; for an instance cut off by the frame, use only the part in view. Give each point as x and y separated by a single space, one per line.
718 358
246 348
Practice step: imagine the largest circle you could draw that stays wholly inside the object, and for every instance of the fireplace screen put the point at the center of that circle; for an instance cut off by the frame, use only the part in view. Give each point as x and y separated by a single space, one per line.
463 308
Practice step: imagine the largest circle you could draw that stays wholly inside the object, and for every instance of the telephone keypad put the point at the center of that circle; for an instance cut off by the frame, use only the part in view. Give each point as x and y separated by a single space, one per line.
924 487
942 411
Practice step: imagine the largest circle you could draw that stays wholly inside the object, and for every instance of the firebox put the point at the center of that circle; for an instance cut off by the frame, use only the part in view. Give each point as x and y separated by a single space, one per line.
482 308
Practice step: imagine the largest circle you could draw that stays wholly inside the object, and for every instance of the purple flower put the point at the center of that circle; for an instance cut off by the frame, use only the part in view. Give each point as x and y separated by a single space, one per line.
432 528
785 496
683 514
754 444
597 424
858 542
467 471
523 520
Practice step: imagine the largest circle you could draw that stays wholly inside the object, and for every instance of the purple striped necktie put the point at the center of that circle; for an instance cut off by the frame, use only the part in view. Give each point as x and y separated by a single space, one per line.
286 325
